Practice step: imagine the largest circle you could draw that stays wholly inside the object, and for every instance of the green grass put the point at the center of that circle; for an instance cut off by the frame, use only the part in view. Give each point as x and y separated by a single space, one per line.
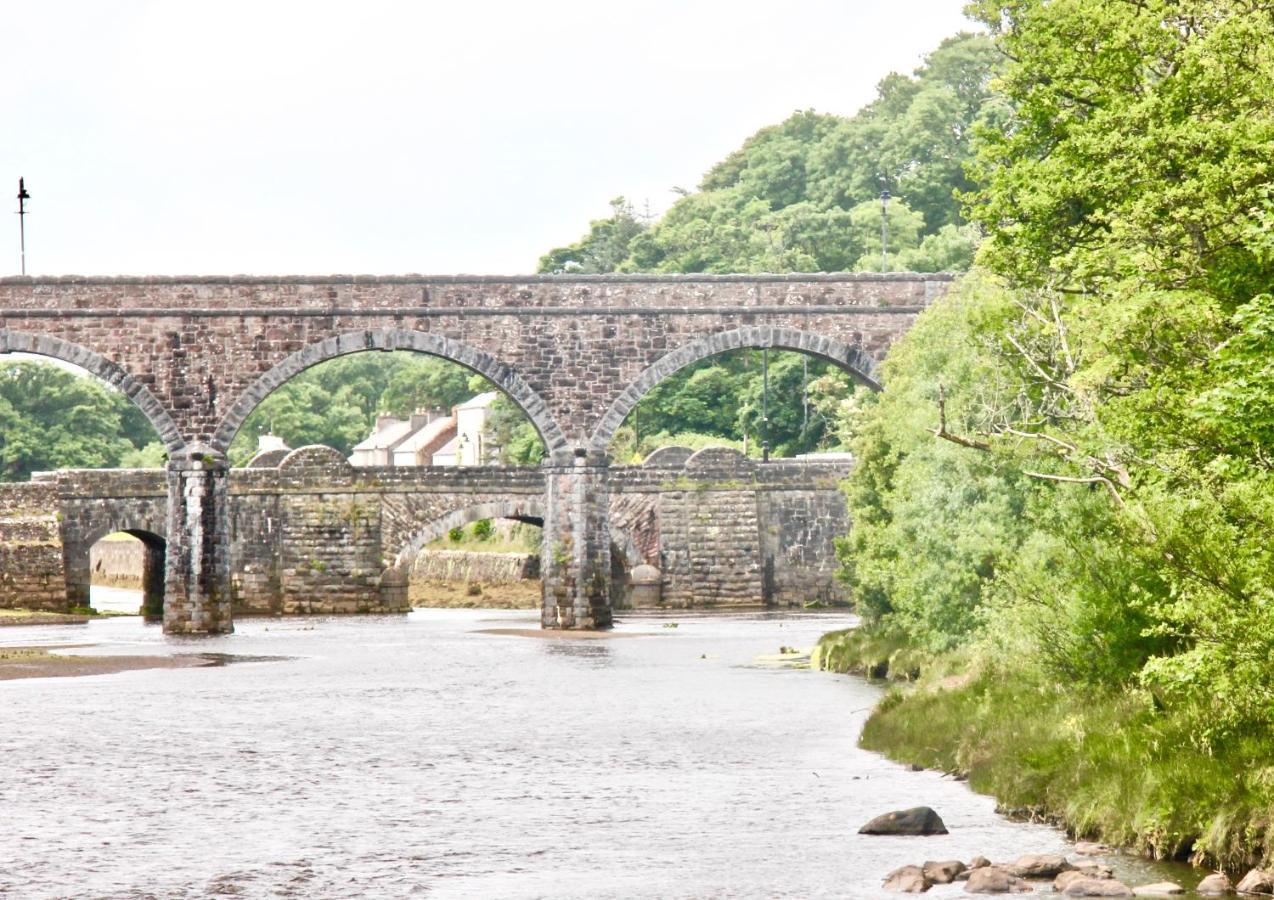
1108 765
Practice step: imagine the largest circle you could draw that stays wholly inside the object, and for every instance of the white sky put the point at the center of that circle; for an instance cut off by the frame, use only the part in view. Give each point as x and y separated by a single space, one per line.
312 137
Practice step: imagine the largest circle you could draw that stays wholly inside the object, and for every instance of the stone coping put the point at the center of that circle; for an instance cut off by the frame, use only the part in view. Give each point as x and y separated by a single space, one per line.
617 278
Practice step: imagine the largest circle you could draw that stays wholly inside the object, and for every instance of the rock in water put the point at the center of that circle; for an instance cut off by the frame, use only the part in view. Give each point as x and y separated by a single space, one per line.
1158 889
994 880
907 880
1257 882
979 862
1097 887
1215 886
943 872
920 820
1090 848
1039 865
1092 869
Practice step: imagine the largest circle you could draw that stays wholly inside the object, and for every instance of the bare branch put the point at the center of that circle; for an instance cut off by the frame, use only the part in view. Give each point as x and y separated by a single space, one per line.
1089 479
941 430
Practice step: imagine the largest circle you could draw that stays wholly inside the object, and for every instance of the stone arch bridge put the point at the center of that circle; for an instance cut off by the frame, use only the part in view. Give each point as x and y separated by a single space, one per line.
576 353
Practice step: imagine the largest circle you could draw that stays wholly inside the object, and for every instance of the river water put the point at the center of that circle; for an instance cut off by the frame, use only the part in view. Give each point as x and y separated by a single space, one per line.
423 755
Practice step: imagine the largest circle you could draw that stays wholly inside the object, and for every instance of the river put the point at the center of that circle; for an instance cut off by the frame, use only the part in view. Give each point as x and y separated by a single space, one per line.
423 755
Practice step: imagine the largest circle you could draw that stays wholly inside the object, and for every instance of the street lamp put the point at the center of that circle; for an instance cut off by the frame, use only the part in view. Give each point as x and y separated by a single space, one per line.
23 197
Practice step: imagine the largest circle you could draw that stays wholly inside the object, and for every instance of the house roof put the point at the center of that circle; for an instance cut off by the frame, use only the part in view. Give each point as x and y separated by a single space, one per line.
385 438
450 448
481 401
426 434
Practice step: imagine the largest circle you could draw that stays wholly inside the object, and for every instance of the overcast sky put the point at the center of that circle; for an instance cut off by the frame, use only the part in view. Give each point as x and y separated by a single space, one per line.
365 137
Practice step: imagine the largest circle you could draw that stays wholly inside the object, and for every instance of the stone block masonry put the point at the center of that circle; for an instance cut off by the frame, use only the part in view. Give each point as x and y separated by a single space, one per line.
313 534
576 353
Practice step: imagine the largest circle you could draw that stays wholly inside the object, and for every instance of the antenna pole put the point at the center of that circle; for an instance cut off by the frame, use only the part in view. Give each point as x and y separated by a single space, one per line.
23 197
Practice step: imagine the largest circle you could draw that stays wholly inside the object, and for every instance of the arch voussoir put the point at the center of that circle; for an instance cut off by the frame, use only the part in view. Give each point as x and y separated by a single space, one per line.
859 364
105 369
522 510
500 374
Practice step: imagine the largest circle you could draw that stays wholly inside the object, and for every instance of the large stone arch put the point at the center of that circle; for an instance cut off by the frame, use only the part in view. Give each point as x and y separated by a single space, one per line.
523 510
500 374
852 359
110 372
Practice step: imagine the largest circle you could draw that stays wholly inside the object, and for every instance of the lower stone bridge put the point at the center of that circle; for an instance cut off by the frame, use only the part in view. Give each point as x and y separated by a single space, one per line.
308 533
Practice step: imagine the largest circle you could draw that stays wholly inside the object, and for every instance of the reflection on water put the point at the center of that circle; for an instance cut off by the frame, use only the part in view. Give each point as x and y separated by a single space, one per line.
417 755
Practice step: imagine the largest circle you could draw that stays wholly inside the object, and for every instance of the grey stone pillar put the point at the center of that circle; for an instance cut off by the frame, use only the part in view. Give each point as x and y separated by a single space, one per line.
575 560
197 575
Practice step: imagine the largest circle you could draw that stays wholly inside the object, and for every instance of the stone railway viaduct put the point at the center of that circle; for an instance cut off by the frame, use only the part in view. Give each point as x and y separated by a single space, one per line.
576 353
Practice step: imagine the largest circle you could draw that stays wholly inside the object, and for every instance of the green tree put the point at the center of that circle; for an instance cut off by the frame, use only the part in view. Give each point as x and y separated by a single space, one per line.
601 250
54 419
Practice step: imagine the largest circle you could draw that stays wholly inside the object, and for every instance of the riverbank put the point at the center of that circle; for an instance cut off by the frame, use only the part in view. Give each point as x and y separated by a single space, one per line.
38 617
42 662
1110 765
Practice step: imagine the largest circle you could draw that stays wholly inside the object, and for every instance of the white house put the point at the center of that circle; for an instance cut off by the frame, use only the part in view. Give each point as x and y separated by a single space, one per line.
471 446
431 437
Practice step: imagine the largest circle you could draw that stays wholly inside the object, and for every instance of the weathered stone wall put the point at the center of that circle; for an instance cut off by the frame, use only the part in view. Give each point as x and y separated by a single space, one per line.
31 571
576 353
117 563
733 531
480 568
95 503
313 534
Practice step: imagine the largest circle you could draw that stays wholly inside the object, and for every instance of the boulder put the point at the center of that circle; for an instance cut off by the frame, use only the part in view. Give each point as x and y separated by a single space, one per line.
907 880
1090 868
1257 882
1215 886
1039 865
943 872
1091 848
920 820
1097 887
1061 882
994 880
1158 889
979 862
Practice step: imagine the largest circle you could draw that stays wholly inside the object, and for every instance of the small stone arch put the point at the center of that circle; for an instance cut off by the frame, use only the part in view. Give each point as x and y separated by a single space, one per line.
529 510
103 368
500 374
154 566
854 360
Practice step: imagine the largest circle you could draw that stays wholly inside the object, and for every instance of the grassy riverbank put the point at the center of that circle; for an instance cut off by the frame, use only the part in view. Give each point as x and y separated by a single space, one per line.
1109 764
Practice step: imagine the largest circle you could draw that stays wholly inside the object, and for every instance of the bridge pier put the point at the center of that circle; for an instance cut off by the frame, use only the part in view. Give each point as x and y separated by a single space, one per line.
197 574
575 562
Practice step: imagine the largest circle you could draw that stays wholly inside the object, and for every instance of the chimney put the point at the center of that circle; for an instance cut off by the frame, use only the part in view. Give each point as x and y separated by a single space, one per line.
383 422
270 442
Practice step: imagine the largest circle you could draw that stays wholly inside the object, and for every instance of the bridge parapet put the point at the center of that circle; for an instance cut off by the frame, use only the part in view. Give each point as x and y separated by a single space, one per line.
318 535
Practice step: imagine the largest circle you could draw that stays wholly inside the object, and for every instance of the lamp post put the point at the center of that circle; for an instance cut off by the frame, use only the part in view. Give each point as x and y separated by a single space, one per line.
23 197
884 231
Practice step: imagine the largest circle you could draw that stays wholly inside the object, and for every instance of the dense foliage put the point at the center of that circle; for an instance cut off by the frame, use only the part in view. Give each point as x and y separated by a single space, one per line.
1070 475
336 403
802 196
51 418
